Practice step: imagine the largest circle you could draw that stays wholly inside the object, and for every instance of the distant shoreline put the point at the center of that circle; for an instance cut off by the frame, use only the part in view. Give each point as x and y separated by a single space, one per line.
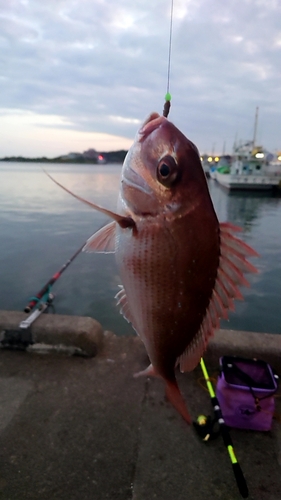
107 157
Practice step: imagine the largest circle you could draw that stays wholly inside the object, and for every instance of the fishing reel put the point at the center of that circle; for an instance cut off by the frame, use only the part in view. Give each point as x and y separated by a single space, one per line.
206 427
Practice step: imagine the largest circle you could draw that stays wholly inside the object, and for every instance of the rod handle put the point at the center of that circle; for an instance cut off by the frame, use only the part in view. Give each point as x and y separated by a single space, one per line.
240 479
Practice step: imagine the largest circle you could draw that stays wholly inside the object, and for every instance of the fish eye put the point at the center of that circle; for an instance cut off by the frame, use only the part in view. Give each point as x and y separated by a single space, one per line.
164 170
167 171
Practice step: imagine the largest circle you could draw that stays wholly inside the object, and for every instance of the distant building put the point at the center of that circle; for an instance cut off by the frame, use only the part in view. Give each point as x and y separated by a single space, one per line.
71 157
90 154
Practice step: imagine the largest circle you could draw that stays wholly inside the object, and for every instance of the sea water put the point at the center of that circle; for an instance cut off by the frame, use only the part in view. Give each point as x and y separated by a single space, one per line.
41 227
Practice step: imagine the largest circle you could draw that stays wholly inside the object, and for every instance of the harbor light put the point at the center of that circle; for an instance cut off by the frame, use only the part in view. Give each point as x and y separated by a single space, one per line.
210 159
217 159
259 155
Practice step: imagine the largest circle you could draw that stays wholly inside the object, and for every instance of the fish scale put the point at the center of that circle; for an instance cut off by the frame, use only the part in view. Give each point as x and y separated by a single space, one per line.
157 288
141 276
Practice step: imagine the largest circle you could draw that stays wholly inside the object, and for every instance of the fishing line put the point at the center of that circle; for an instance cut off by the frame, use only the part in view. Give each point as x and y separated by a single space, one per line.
168 96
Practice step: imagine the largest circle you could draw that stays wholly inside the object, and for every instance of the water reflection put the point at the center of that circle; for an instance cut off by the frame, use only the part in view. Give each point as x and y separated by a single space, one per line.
25 187
246 208
259 214
242 207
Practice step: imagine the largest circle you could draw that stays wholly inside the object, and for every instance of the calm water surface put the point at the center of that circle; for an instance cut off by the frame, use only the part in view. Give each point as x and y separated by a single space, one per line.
41 227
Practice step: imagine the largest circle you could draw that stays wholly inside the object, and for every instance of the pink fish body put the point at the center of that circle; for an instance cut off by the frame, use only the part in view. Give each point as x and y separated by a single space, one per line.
179 266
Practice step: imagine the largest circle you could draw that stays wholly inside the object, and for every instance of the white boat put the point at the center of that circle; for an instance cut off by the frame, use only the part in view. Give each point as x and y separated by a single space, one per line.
213 173
222 166
251 168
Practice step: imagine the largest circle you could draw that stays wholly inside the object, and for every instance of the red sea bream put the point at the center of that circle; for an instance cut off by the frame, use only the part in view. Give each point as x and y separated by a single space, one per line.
180 268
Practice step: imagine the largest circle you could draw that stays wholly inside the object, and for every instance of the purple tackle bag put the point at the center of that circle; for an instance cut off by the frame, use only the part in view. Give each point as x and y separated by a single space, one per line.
245 390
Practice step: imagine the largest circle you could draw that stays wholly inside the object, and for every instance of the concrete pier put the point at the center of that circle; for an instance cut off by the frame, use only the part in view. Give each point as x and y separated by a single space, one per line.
55 330
82 428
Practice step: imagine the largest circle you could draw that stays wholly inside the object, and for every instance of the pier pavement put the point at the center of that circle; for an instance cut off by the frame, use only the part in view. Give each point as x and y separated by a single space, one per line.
82 428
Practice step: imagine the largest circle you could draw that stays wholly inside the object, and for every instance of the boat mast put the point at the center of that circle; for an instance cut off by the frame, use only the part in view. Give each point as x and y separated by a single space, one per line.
256 126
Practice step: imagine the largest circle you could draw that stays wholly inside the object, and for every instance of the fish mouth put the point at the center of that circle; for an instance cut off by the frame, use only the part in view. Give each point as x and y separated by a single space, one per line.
136 181
153 121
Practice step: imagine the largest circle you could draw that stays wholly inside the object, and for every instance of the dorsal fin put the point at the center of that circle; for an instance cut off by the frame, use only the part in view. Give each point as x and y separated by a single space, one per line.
103 241
232 264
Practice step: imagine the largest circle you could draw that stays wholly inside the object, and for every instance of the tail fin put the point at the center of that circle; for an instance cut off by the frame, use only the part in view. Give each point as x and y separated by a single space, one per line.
174 396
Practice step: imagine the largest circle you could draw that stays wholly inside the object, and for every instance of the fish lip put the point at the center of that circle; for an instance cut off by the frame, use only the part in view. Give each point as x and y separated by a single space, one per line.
150 118
135 180
150 124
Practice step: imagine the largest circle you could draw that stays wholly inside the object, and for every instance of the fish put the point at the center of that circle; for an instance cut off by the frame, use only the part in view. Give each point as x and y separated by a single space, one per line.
180 268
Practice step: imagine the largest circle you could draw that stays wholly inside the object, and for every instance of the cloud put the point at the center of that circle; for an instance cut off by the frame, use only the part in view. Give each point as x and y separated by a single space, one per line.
32 135
87 62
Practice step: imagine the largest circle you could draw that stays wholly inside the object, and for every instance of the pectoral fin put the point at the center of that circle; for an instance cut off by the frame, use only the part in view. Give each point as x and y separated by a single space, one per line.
103 241
123 222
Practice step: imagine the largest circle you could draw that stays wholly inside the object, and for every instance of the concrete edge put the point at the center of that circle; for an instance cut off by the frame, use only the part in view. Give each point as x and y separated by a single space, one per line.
265 346
87 334
84 333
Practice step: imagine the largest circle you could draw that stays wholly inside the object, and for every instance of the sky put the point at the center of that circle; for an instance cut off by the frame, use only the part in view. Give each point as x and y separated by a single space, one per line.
80 74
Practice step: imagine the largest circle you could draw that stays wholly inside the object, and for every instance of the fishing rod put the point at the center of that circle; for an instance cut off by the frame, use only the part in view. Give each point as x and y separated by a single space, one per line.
44 293
21 337
240 479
